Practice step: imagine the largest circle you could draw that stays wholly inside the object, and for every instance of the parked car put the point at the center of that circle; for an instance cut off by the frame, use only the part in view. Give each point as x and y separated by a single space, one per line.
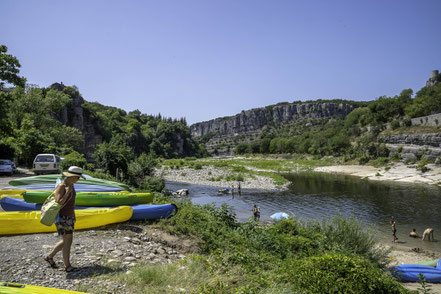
46 164
6 167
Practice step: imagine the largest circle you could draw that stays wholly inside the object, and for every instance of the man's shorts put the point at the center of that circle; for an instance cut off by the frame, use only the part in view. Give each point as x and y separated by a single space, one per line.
65 224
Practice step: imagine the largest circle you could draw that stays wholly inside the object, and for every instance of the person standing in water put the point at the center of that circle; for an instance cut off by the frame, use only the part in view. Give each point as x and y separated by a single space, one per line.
428 233
238 188
256 212
394 229
65 195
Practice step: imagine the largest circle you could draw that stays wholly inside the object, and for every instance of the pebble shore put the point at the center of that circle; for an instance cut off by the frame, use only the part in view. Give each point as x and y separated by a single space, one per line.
206 175
112 249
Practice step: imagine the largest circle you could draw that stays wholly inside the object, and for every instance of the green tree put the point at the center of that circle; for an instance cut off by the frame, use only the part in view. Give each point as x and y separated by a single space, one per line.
113 155
9 69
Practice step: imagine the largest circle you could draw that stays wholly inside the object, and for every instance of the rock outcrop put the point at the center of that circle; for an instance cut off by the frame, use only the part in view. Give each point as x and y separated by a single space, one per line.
256 119
74 115
227 132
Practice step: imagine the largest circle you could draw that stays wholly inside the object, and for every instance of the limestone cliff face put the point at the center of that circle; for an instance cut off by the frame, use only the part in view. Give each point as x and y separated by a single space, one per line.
74 115
255 119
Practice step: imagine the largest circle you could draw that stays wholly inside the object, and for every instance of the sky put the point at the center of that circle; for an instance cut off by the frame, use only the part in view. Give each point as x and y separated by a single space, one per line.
203 59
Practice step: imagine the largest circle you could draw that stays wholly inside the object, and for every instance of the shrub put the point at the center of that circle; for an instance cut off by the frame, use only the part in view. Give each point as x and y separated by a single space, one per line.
363 159
74 158
337 273
197 166
395 124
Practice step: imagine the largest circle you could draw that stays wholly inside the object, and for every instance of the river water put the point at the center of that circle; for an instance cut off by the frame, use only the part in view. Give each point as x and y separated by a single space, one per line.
314 196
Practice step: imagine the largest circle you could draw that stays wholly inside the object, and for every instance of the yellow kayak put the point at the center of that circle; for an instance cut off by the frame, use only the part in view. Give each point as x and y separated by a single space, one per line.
16 222
13 288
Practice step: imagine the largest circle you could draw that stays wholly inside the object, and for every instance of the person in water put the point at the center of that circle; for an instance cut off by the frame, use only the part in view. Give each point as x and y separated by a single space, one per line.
256 212
429 234
413 234
394 229
65 195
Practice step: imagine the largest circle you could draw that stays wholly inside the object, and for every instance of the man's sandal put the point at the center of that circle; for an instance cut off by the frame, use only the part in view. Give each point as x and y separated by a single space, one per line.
51 262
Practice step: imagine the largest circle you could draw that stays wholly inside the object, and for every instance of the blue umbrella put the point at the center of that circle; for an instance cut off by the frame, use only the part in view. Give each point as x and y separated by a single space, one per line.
279 216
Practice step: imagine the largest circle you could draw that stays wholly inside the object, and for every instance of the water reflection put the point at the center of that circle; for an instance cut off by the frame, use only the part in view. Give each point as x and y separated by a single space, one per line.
322 195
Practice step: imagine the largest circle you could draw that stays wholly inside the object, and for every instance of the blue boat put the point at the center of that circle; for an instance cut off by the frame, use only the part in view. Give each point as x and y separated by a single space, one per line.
410 272
140 211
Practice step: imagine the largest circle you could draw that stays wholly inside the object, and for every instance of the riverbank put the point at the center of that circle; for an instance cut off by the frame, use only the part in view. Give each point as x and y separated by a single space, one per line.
398 172
400 254
213 173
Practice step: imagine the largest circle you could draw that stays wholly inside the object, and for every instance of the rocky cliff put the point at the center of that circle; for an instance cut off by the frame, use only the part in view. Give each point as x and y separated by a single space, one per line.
74 115
227 132
255 119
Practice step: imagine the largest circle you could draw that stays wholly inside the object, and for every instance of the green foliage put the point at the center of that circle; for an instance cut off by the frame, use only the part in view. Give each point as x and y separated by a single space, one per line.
113 155
427 101
337 273
74 158
9 69
298 257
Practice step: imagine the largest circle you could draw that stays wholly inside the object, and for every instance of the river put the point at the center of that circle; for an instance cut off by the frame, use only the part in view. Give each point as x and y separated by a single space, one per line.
313 196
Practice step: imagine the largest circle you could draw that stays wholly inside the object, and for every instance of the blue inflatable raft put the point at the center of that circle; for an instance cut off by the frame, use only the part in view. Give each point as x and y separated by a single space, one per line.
410 272
140 211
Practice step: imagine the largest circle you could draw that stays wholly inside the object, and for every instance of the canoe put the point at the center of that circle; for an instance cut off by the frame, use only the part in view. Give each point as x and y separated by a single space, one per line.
410 273
95 199
14 288
140 211
12 223
51 179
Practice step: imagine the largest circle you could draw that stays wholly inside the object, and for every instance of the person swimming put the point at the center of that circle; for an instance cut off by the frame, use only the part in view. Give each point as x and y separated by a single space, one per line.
413 234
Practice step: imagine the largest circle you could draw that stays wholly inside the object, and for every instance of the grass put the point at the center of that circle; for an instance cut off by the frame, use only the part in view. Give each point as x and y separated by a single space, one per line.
289 256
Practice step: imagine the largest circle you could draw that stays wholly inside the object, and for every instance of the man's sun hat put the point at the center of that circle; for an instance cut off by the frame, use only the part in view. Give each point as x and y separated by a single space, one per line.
74 171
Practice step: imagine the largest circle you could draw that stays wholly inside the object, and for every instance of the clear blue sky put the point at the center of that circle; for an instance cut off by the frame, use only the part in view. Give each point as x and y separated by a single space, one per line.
206 59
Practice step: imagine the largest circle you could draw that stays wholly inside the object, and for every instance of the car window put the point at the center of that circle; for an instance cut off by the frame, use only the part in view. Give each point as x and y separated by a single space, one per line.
3 162
44 158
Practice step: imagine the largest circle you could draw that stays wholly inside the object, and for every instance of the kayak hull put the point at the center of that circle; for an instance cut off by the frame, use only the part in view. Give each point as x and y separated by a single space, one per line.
140 211
95 199
13 223
14 288
410 273
51 179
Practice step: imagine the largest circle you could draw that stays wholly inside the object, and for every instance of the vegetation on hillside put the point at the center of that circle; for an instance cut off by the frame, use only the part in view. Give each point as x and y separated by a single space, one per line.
37 120
353 137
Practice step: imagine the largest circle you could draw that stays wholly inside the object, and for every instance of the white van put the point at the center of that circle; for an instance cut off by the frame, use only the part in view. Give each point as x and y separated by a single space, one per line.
46 164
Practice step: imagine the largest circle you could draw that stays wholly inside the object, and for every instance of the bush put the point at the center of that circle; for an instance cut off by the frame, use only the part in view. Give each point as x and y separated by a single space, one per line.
76 159
363 159
395 124
197 166
337 273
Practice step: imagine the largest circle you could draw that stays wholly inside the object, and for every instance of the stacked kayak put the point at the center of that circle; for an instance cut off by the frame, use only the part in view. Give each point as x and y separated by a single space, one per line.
140 211
50 181
17 222
13 288
94 198
411 272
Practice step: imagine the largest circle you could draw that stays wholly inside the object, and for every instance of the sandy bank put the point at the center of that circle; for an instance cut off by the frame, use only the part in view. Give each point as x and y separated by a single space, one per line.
398 172
400 254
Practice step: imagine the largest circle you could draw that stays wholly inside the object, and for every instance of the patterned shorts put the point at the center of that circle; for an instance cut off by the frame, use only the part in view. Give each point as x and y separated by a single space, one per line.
65 224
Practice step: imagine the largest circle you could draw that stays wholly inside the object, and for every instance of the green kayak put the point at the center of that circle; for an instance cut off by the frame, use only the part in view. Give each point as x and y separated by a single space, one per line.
51 179
95 199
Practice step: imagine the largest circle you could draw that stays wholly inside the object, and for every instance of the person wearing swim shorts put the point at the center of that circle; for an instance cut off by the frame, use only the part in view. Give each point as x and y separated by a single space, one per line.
65 195
394 229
